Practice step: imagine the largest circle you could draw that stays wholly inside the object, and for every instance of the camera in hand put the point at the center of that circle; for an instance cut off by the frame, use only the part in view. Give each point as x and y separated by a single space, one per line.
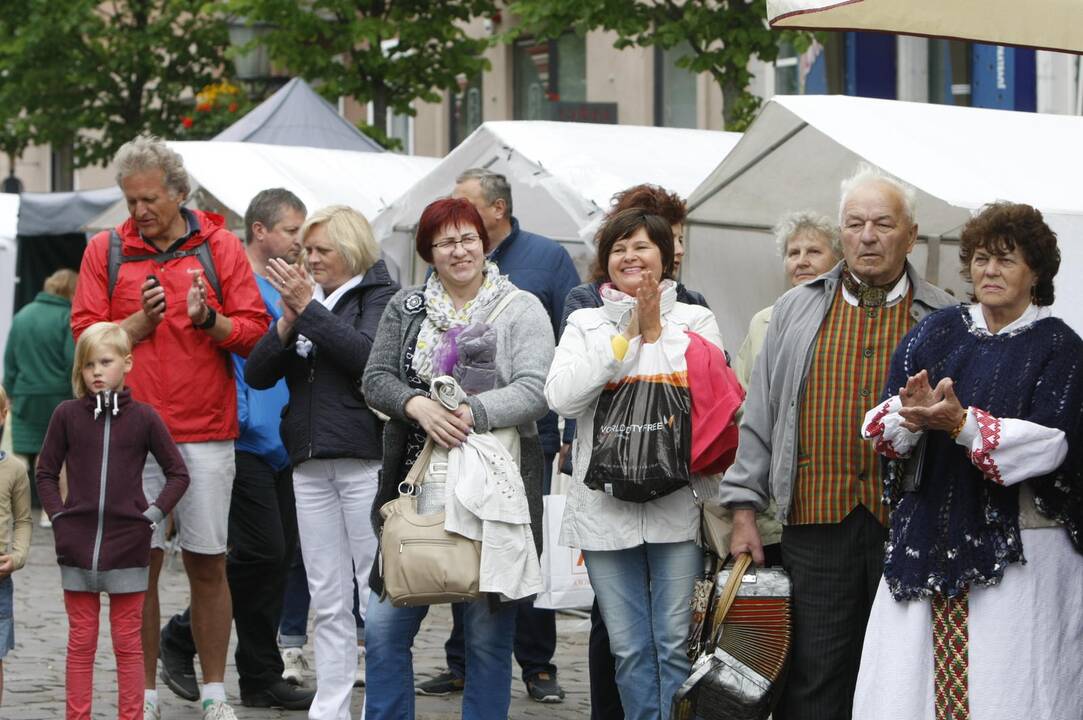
154 282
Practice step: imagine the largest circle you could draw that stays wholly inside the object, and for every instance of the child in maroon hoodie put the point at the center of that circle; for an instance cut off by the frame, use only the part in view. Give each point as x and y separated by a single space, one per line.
103 528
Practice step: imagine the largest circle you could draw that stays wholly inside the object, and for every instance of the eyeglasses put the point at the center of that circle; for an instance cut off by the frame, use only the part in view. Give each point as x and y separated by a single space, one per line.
467 242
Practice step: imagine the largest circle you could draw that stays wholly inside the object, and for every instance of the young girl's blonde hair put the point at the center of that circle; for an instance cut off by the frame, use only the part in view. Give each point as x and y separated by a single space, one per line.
96 337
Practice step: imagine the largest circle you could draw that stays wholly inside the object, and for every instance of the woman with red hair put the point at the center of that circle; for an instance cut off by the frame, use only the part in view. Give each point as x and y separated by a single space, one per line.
424 334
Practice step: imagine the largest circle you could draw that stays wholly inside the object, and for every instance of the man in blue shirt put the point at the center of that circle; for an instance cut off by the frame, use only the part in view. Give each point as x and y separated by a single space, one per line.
262 516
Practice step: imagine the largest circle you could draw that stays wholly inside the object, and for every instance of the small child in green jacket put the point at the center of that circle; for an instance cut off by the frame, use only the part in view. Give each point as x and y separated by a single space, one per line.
15 527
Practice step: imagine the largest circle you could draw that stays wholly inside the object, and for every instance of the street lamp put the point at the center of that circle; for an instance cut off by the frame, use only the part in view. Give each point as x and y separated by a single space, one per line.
251 61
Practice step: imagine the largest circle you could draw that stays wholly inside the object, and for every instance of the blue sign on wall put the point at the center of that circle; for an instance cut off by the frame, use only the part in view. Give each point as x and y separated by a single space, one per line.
1003 77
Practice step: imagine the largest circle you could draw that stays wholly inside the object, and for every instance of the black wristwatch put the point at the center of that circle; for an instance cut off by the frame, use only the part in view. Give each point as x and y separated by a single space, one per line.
207 324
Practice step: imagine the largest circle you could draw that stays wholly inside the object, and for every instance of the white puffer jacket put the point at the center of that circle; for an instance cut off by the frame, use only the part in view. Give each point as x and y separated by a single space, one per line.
583 364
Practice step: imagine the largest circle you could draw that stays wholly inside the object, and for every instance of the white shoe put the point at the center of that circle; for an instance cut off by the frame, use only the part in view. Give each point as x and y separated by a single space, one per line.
217 710
294 665
151 711
359 679
45 522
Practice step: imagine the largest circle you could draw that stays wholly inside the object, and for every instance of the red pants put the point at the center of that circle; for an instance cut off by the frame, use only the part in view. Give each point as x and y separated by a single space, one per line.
125 621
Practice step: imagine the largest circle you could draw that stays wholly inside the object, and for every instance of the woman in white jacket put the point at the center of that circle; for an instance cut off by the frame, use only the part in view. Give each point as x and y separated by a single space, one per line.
642 558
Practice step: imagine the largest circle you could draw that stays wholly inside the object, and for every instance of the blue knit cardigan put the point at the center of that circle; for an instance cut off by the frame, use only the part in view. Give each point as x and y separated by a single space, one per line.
958 528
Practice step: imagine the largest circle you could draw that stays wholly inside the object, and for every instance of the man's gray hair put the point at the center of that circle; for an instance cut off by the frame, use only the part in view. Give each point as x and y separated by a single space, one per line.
267 208
867 174
803 221
493 185
148 152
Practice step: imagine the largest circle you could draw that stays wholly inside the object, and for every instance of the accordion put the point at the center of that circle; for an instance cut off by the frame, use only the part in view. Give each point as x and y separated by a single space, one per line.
740 645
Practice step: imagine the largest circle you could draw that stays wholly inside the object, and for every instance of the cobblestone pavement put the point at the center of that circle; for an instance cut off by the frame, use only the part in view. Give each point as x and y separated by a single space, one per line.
34 670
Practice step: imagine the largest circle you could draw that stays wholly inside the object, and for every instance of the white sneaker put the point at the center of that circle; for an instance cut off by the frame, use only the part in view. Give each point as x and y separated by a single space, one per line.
294 665
217 710
151 711
359 679
44 521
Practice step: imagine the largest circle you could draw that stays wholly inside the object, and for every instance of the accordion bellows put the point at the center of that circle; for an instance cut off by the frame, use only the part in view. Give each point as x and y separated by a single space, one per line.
736 675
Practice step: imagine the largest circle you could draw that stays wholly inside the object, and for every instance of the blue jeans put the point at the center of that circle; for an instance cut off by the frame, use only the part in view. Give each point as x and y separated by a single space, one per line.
389 663
644 593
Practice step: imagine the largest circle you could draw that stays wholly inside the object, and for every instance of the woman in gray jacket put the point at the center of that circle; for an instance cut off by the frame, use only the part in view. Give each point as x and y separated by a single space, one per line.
408 353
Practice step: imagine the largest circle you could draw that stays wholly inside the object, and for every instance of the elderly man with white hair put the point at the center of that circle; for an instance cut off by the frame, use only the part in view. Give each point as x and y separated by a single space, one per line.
824 363
180 284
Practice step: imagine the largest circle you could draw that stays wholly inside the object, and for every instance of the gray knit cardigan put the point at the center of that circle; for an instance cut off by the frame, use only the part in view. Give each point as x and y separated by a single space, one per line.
524 353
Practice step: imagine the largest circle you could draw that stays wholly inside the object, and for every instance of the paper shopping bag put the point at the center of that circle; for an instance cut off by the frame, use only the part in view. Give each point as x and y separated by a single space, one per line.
563 570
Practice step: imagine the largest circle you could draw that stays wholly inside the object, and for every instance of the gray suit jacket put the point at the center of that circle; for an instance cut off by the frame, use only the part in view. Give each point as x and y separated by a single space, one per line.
766 461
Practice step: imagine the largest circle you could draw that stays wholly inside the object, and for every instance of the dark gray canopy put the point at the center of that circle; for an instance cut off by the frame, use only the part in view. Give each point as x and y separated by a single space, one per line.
297 115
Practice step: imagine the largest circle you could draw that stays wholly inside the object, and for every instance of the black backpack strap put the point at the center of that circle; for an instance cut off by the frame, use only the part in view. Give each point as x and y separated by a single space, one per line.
201 251
206 259
114 259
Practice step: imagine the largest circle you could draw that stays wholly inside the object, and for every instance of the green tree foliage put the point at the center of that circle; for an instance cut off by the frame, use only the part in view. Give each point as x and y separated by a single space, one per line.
724 35
387 52
95 73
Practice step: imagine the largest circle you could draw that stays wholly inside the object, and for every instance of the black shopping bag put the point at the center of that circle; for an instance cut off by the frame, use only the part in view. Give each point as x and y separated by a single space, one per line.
643 425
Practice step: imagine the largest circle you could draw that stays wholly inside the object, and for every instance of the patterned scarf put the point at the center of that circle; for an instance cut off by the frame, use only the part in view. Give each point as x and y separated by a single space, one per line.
441 315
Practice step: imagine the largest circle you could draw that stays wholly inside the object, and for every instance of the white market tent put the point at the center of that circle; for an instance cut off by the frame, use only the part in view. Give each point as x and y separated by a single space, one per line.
1051 24
229 174
562 175
799 148
9 221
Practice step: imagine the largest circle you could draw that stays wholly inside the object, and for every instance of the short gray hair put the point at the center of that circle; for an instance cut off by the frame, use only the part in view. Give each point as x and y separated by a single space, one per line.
267 208
493 185
350 232
148 152
793 224
866 174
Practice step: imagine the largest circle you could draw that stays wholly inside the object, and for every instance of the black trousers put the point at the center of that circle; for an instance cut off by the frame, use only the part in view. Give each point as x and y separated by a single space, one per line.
262 541
835 570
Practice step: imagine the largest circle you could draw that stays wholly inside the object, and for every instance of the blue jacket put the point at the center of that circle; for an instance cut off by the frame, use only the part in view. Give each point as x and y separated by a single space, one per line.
545 269
260 411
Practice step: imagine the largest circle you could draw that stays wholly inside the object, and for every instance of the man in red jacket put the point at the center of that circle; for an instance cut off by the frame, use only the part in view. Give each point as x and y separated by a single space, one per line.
181 286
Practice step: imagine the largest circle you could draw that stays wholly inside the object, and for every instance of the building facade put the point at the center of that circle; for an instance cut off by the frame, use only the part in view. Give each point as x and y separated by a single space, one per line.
585 79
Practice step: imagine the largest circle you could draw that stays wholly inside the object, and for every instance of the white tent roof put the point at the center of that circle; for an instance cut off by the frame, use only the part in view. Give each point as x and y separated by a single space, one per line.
231 173
799 148
562 174
9 221
1053 24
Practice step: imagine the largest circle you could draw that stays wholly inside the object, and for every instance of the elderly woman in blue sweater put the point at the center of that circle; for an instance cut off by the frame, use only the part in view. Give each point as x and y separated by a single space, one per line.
461 293
982 434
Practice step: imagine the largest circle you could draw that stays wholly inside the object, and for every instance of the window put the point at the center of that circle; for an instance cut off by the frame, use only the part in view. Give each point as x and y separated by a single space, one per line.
674 88
62 168
949 72
466 108
820 70
546 73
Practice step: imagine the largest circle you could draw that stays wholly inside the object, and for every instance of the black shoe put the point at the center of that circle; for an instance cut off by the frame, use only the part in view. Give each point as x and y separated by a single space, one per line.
279 694
178 671
445 683
544 688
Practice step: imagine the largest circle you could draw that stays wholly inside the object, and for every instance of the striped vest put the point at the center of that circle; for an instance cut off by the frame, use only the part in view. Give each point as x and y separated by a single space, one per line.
836 469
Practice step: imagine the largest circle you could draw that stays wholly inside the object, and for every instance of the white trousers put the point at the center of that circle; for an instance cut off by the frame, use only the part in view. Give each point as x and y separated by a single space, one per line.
334 499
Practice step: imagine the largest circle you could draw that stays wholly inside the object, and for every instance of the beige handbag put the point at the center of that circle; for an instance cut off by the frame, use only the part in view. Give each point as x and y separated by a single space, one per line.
421 563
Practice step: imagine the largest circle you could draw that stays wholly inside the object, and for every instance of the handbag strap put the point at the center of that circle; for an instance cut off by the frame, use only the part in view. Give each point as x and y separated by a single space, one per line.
417 470
504 302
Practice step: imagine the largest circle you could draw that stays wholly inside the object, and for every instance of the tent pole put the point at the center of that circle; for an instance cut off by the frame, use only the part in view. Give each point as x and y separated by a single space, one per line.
747 166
